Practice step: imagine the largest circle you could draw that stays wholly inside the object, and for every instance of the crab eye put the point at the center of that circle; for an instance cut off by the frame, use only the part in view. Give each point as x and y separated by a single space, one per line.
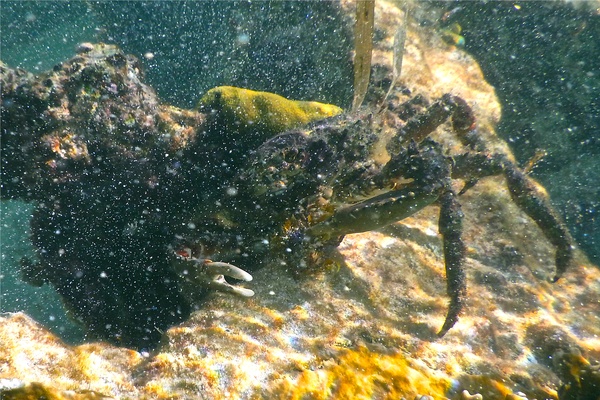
185 253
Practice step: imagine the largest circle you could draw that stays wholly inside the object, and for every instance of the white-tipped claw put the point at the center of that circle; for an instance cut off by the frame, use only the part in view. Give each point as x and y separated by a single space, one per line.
215 273
221 268
212 274
220 284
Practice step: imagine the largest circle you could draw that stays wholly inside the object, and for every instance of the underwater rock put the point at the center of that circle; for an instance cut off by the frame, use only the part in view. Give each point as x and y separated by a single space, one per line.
115 175
88 141
36 364
361 328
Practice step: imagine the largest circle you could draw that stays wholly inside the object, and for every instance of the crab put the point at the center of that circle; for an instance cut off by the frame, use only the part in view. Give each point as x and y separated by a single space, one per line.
300 192
159 205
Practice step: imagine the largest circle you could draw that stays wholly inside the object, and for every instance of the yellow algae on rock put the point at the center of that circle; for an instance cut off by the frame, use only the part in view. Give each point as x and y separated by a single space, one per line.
490 388
360 373
36 364
260 115
36 391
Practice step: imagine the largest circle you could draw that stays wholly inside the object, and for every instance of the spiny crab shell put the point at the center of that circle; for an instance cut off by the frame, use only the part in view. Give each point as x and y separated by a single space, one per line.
131 193
298 193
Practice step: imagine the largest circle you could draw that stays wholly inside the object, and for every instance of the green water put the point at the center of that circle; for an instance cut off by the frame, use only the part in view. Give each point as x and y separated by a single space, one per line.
35 36
42 304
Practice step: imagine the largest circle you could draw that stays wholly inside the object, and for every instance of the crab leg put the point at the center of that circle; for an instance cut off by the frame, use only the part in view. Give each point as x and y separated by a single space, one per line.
422 125
374 213
396 205
527 194
450 226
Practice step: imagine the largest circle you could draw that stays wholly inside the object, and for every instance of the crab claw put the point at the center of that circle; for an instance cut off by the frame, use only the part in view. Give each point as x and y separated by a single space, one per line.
212 274
221 268
215 273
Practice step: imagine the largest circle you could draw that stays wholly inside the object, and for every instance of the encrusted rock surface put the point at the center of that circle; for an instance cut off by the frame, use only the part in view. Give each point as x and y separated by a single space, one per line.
364 329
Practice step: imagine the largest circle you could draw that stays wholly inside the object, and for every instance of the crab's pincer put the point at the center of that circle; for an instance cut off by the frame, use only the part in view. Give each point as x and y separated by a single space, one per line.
211 275
215 273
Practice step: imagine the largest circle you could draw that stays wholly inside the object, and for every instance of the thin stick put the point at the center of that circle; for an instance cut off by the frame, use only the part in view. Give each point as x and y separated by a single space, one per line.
363 49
